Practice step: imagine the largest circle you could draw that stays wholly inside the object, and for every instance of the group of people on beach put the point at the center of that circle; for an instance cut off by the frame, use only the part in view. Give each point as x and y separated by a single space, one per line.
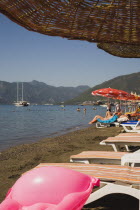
109 114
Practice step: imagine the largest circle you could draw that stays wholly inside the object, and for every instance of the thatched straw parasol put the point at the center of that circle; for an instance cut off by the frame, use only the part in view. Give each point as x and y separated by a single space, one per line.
102 21
121 50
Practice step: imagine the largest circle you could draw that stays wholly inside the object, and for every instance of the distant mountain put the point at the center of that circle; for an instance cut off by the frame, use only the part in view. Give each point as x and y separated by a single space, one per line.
130 82
38 92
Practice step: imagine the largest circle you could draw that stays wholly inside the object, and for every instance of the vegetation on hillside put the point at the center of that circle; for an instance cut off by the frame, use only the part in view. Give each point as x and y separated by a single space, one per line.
38 92
127 83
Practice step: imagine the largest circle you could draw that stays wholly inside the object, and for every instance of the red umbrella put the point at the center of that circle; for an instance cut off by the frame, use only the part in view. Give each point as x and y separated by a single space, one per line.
129 98
135 98
110 93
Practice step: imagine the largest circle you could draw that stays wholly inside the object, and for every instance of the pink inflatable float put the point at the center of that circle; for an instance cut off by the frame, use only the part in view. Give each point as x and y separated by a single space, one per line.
49 188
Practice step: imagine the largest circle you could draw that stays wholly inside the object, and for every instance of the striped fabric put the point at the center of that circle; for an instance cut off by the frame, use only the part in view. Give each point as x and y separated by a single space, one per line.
98 155
104 172
129 135
122 139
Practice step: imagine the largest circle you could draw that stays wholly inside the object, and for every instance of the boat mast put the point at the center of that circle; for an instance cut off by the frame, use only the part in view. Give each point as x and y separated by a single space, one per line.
17 92
22 91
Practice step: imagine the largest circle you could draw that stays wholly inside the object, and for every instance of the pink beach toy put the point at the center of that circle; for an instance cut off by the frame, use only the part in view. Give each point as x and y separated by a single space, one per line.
49 188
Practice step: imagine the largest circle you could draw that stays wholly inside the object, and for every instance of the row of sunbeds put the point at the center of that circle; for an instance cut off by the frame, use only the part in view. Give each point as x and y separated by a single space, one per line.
118 171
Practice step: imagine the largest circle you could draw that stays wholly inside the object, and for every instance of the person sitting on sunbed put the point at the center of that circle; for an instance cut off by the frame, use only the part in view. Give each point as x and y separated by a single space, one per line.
108 114
136 114
109 119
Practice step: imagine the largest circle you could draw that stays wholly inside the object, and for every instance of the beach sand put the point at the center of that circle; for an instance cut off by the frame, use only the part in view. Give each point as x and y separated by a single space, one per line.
17 160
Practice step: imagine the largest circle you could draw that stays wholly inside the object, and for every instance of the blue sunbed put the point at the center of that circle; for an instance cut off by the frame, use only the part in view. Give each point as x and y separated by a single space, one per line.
133 125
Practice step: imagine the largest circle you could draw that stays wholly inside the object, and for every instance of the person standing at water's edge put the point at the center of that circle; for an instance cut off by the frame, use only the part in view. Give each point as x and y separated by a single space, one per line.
109 107
117 107
85 110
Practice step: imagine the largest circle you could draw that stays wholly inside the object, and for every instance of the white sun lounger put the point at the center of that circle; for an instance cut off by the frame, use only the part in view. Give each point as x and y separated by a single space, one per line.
98 157
117 142
128 178
131 159
111 188
131 126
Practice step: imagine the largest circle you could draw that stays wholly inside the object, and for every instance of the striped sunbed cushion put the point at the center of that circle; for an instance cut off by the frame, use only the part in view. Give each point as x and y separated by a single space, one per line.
121 139
104 172
98 154
129 135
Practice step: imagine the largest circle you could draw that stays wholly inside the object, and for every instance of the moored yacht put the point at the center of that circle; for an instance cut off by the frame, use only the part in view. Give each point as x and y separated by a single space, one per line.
22 102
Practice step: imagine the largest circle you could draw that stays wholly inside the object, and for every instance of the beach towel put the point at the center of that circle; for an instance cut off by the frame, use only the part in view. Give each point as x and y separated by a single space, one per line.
111 120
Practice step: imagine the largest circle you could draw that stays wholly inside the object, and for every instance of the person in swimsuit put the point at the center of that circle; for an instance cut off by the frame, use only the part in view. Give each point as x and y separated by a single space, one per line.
105 118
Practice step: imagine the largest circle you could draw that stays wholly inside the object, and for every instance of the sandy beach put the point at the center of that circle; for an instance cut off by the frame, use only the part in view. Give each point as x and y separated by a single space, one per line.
17 160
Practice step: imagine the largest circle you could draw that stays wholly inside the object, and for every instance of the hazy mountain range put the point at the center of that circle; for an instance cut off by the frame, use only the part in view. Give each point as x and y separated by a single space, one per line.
130 82
40 93
37 92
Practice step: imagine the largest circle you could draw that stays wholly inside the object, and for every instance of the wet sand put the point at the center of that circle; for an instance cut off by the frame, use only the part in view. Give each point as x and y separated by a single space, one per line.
17 160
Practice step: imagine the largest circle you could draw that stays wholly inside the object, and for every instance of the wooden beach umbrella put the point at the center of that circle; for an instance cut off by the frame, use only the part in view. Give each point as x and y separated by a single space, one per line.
100 21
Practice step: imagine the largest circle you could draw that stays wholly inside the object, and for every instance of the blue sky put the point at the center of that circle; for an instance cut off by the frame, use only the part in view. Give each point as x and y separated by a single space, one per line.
27 56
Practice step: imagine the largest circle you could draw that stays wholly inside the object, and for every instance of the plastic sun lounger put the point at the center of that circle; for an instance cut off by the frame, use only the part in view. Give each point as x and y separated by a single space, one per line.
118 141
131 126
98 157
107 123
127 177
131 159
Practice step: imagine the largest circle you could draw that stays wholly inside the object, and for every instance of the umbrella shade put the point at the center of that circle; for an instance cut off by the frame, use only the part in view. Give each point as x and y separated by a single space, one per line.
112 93
125 98
94 21
121 50
128 98
133 97
104 95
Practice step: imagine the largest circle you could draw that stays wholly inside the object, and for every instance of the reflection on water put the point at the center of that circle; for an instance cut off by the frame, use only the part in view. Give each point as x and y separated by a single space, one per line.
28 124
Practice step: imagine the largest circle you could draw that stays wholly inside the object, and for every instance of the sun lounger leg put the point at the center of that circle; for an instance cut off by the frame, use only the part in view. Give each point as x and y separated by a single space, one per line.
127 148
126 130
115 147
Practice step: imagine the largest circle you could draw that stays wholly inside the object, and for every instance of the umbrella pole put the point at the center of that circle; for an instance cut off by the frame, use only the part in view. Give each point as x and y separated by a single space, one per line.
120 105
108 101
125 106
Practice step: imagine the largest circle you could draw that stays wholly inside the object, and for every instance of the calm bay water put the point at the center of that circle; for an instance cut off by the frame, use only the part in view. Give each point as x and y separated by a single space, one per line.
20 125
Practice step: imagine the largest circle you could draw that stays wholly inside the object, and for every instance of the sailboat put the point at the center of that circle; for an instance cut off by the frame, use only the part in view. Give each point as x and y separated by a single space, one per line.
22 102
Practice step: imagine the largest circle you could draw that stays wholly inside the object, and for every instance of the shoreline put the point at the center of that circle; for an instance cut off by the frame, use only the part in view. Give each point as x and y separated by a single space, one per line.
52 135
19 159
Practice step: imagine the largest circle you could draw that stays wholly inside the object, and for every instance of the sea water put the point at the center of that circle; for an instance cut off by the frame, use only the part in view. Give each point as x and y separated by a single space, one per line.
19 125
